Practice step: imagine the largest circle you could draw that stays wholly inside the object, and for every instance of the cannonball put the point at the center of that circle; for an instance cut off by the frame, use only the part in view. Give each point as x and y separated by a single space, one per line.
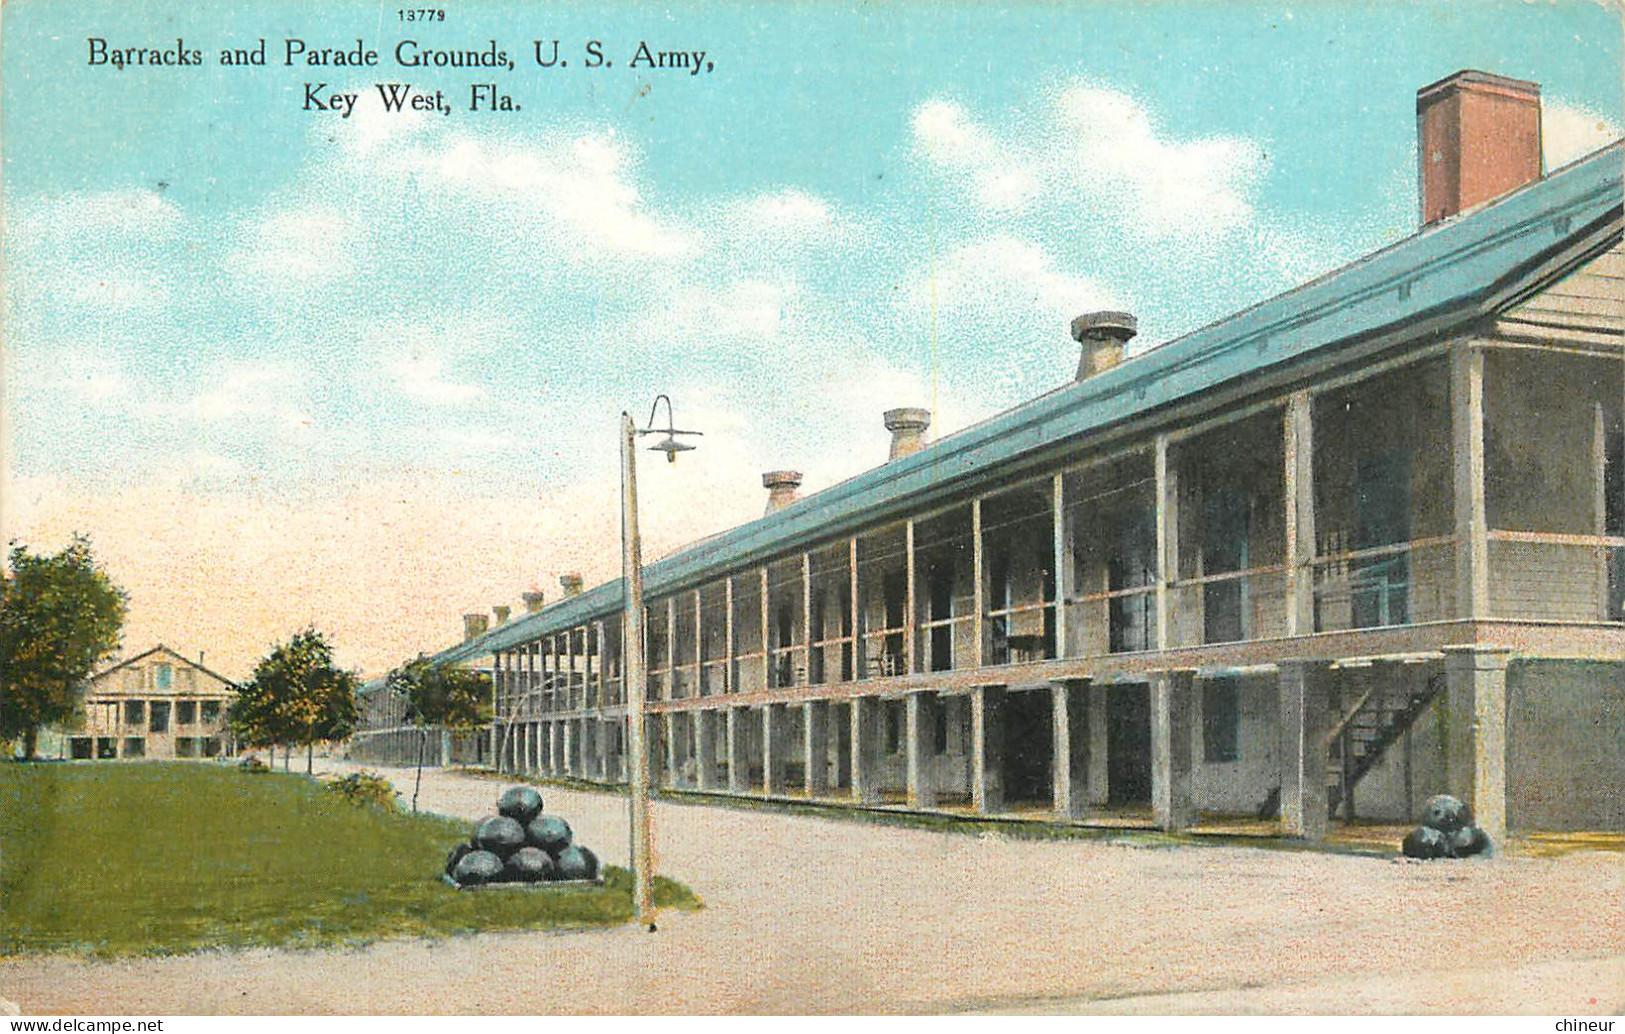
1446 813
457 854
1468 841
529 865
576 863
477 867
520 803
548 832
500 835
1425 842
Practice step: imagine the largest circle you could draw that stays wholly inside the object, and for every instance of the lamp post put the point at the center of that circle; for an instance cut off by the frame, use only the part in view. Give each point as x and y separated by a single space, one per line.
633 647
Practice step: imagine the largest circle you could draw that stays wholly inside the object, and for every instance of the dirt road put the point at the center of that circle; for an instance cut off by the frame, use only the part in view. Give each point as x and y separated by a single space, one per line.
817 915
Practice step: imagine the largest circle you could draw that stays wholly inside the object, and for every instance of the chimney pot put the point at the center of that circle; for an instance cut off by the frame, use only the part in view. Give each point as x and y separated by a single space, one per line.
535 599
907 427
781 488
570 583
502 611
1102 335
1478 137
474 626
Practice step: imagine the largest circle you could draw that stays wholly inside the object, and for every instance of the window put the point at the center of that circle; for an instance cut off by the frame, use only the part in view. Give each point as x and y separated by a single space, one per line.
211 710
158 718
135 712
1133 565
1381 586
1225 532
186 747
186 712
1221 720
164 676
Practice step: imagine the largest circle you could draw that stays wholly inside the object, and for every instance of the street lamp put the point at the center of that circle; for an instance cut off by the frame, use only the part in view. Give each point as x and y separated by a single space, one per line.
633 647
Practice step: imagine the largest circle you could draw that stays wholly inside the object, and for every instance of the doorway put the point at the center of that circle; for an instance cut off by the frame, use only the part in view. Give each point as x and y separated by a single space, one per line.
1028 742
1128 744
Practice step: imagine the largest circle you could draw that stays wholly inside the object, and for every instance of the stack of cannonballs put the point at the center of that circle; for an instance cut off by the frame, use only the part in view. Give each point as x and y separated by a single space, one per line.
1447 831
520 845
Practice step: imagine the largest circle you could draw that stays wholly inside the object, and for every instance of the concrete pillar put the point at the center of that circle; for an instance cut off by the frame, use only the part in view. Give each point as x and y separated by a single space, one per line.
1305 688
1172 711
866 750
815 733
918 749
1099 787
1476 734
705 749
987 749
1069 763
775 721
738 760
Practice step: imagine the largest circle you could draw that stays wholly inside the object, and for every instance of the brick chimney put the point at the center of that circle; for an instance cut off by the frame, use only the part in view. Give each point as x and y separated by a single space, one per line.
570 584
907 427
1102 335
474 626
1477 137
535 600
501 612
781 488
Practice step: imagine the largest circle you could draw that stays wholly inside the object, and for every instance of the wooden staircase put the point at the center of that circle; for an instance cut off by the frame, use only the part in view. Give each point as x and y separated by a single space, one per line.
1366 729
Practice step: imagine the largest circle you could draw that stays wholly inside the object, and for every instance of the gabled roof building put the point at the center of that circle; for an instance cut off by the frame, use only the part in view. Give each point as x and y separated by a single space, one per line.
1357 544
158 704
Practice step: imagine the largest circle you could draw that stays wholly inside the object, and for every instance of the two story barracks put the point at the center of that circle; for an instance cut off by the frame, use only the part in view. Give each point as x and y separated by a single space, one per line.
1358 544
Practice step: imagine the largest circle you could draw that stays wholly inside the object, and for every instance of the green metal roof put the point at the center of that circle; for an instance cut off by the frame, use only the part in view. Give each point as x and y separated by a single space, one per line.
1455 271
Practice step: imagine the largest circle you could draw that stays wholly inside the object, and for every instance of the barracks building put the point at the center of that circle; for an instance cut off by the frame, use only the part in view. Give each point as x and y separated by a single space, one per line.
1355 545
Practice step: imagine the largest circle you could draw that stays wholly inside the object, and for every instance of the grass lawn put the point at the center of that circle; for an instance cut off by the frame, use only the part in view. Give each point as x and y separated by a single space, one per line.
155 858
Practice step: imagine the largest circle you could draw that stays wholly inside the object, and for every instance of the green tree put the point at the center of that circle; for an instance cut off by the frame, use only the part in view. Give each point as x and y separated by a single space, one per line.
60 616
437 695
297 697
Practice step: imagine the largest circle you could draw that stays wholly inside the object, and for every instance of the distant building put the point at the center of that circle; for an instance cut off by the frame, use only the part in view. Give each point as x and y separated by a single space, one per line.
158 704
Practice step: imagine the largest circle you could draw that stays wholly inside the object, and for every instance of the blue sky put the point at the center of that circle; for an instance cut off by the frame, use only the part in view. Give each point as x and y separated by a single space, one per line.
364 371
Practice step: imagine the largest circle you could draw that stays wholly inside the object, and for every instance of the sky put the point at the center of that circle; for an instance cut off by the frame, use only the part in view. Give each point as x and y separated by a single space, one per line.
289 367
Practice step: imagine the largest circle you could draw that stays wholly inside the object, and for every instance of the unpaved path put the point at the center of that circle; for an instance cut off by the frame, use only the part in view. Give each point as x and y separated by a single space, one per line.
816 915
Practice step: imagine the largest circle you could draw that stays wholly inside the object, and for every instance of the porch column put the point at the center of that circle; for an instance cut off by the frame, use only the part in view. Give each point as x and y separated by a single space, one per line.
1172 712
815 728
987 762
1305 688
1299 448
866 750
1069 762
918 750
774 721
738 762
1476 734
1099 772
569 765
705 748
1467 445
583 748
1167 541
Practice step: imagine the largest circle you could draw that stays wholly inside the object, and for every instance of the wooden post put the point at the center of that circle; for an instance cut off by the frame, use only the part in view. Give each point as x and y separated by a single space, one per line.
729 683
1167 541
767 646
1467 445
856 623
806 619
978 585
909 648
1299 496
1063 560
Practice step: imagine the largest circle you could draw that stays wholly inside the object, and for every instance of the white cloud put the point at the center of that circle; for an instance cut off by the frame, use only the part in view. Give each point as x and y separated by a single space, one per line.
296 245
578 184
1572 131
1004 277
423 377
1099 149
134 212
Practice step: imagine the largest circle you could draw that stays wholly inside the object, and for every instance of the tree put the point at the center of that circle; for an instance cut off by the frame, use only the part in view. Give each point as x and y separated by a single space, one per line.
297 697
60 616
452 698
